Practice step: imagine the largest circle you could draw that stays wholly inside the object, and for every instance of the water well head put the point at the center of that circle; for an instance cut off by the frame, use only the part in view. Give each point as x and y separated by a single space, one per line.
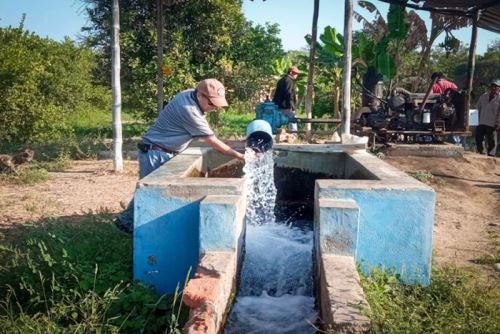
259 136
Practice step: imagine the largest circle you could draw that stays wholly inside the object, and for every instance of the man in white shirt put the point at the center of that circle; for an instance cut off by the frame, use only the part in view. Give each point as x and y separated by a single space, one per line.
488 107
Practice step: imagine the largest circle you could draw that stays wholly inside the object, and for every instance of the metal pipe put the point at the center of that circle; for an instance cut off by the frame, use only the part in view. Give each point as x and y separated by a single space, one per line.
427 94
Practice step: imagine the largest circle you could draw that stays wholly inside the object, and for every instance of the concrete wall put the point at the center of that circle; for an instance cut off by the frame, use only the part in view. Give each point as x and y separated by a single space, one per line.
178 218
396 212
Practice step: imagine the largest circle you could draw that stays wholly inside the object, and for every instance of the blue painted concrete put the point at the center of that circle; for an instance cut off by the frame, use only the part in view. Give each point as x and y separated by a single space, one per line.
218 225
395 229
338 227
166 239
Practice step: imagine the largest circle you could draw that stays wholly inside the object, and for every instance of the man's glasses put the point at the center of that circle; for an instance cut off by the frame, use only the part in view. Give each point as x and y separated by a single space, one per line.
208 101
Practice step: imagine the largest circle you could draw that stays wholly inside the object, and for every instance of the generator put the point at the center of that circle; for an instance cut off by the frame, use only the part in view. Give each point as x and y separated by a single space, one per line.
407 116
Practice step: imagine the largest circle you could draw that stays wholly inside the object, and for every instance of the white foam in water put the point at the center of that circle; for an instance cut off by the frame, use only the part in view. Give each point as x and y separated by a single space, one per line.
266 314
276 293
278 260
261 192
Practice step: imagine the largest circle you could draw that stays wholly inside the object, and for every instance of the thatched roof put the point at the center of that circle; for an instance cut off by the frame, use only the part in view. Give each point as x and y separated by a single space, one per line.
489 9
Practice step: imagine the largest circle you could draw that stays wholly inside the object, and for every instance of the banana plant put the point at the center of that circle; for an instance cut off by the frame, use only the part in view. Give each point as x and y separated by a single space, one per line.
279 68
367 52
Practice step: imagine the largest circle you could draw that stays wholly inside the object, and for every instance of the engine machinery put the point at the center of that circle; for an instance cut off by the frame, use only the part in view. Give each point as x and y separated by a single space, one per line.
419 116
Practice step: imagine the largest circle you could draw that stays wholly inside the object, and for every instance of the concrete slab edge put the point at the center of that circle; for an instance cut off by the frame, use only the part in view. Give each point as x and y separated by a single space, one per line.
343 306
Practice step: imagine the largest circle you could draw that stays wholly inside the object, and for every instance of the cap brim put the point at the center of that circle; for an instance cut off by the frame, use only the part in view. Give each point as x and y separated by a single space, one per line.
219 102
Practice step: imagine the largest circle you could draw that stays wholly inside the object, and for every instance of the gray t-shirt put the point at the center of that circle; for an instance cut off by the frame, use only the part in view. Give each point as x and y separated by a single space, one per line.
489 111
178 123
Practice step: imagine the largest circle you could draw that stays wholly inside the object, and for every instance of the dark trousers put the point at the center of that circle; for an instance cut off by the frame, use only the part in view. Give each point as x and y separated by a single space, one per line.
483 131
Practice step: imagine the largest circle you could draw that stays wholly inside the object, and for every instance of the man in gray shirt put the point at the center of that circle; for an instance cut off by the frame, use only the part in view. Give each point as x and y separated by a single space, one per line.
488 107
181 121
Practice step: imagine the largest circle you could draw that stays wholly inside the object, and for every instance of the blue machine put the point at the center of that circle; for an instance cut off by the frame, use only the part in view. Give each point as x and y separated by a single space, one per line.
269 112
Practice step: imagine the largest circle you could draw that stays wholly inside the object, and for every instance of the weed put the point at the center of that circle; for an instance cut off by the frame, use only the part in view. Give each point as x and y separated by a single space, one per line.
59 164
33 175
422 175
494 257
456 301
75 276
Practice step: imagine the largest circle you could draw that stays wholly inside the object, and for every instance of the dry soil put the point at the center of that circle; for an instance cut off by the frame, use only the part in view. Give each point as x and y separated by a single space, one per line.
467 209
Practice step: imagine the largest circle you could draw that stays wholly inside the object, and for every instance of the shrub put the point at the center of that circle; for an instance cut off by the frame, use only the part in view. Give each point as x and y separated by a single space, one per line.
42 82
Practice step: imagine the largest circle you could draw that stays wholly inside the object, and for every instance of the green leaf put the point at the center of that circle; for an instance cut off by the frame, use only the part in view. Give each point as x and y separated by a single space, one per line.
396 21
386 66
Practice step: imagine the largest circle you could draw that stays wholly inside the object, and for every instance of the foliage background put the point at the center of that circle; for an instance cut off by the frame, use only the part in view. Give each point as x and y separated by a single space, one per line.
42 83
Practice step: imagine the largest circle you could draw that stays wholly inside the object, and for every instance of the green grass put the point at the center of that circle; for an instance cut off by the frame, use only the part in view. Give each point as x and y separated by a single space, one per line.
38 171
422 175
494 257
99 124
33 175
74 275
456 301
231 124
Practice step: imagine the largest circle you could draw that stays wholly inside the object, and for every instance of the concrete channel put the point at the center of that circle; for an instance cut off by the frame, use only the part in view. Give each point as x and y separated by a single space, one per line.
190 218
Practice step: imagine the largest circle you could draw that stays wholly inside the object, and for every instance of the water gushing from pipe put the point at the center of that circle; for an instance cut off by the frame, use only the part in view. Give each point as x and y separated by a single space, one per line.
276 292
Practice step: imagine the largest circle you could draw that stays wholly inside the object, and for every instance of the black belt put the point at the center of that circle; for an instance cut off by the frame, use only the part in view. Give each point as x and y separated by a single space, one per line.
143 147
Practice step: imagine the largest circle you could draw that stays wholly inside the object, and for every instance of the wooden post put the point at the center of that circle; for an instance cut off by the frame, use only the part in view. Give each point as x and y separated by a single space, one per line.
346 108
310 74
116 90
470 67
159 56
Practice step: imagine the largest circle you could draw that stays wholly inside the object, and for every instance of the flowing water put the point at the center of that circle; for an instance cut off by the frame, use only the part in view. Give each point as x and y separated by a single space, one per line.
276 291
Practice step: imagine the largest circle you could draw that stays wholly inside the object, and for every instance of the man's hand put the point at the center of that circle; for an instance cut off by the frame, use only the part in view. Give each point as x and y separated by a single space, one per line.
223 148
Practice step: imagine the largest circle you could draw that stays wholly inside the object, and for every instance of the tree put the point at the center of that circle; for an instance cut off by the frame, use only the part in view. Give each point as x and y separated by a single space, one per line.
116 89
440 23
310 74
346 85
203 39
493 51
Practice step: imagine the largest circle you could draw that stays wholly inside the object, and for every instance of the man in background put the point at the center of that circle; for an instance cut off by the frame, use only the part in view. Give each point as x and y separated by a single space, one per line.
441 85
284 95
488 107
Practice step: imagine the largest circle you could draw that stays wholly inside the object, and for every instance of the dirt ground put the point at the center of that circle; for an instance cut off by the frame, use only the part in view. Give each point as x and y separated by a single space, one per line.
467 208
467 205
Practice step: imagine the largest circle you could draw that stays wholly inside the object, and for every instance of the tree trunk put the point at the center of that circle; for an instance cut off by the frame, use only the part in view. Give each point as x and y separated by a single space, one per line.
346 87
310 75
159 56
337 102
116 91
471 64
424 59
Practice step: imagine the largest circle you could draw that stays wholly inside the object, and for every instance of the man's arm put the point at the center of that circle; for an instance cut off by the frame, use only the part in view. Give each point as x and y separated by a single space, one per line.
497 123
222 147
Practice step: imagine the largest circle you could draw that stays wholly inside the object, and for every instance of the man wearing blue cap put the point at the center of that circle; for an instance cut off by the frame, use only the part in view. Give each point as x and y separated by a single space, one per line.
488 107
